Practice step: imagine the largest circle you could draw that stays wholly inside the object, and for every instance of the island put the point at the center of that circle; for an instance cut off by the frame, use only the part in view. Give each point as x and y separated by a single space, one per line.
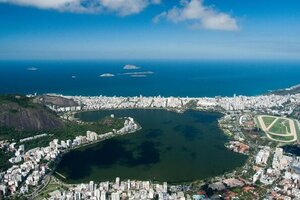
257 126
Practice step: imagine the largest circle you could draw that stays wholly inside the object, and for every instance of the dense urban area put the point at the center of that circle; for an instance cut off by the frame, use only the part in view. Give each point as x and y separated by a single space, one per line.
257 126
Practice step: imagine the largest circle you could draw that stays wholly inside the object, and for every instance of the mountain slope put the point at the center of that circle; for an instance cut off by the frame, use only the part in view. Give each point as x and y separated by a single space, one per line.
21 113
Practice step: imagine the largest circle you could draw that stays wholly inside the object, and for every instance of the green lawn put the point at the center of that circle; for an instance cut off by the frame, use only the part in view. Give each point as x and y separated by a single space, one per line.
257 122
281 126
297 129
282 138
268 120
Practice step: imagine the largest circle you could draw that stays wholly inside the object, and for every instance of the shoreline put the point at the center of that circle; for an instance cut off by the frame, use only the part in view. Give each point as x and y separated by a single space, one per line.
288 88
196 181
225 106
68 150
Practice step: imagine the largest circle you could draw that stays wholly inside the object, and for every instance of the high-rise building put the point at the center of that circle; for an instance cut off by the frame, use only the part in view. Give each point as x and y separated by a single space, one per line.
103 195
91 186
117 182
165 187
77 196
115 196
128 184
98 194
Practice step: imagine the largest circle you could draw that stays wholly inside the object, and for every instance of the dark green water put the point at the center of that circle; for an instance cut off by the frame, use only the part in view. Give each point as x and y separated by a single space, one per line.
171 147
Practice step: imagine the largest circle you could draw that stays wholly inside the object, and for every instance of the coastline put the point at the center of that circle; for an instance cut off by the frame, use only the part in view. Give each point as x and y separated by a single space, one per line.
222 111
238 105
68 150
222 114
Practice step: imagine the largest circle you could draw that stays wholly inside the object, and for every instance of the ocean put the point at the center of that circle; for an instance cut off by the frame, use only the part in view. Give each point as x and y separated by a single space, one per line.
191 78
171 147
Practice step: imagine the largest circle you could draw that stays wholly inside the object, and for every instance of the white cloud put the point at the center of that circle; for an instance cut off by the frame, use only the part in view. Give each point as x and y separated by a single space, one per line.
120 7
53 4
125 7
199 15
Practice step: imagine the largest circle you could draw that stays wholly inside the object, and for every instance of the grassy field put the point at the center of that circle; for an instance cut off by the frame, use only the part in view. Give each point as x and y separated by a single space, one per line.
285 138
268 120
278 128
257 122
297 129
281 126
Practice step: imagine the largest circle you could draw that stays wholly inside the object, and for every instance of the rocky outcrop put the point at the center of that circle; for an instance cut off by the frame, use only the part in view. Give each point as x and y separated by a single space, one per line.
26 115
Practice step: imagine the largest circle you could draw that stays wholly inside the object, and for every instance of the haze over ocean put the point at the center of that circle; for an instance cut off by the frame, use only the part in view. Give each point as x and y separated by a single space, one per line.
192 78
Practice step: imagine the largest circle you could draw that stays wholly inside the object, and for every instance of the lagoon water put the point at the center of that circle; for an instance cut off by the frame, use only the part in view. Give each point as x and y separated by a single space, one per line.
171 147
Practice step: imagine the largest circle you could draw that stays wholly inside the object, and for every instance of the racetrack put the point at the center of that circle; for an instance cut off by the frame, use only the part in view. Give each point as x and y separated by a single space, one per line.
289 133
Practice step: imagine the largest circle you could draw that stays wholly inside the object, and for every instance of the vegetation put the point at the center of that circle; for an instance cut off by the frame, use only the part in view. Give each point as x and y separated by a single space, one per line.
282 138
257 122
297 129
293 90
51 187
268 120
8 133
244 194
191 104
70 131
280 129
281 126
4 163
22 101
42 120
73 129
21 113
13 107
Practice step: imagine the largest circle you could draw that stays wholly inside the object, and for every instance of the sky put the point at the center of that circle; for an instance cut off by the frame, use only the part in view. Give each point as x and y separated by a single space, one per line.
149 29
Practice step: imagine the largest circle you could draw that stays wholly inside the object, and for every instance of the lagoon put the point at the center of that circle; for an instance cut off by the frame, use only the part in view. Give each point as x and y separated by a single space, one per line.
173 147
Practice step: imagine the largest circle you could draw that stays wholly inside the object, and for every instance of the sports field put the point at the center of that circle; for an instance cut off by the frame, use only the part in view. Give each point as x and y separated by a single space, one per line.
278 129
268 120
281 126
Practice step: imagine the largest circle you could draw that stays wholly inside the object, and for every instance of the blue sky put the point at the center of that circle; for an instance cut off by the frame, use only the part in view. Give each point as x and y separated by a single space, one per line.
149 29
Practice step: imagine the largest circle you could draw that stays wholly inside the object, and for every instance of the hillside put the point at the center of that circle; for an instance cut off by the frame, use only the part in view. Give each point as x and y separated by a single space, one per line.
21 113
55 100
